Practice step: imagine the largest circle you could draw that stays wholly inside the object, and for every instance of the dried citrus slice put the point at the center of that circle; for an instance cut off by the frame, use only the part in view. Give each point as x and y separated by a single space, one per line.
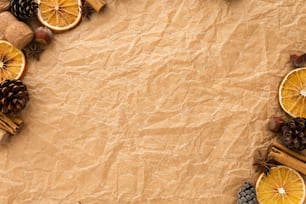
292 93
12 61
59 15
282 185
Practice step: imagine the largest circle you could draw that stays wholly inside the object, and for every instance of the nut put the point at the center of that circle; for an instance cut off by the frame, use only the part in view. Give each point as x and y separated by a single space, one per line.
275 124
43 35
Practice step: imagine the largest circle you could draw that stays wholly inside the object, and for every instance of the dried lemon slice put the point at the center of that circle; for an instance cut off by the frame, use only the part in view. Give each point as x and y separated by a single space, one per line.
292 93
282 185
12 61
59 15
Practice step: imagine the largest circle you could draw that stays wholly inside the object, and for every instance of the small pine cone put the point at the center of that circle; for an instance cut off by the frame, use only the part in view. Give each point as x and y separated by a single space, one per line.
247 194
23 9
293 134
13 96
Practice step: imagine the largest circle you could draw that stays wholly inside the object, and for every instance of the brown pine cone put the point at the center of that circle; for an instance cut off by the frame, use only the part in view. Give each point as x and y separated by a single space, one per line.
293 134
13 96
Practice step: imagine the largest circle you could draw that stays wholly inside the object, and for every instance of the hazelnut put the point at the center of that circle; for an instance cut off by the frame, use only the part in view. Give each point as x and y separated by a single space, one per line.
275 124
43 35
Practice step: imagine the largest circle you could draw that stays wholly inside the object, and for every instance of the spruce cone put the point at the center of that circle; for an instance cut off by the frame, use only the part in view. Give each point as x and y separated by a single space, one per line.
294 134
24 9
13 96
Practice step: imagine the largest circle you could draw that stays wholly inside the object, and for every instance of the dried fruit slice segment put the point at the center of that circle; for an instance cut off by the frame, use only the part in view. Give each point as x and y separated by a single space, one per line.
59 15
282 185
12 61
292 93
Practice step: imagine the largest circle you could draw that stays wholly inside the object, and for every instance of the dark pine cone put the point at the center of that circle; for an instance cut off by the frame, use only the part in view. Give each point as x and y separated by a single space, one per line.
13 96
294 134
247 194
23 9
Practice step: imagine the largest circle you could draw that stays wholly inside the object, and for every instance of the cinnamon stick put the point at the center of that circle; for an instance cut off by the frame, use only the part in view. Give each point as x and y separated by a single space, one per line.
96 4
5 127
17 121
11 125
287 160
288 151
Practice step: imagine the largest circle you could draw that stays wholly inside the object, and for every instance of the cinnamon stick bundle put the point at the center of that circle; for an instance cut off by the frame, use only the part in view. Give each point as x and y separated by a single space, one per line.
288 151
287 157
9 126
96 4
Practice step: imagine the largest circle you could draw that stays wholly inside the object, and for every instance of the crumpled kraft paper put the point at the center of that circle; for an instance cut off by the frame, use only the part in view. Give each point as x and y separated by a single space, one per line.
158 102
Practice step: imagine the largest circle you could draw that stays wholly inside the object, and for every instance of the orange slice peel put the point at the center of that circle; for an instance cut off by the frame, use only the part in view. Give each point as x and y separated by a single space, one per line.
12 61
292 93
59 15
283 185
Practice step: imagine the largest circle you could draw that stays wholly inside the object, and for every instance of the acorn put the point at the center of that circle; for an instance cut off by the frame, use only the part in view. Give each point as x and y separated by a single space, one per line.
275 124
43 35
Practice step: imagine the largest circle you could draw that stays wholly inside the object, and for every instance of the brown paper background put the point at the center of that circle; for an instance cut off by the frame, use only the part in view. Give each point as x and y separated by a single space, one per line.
158 102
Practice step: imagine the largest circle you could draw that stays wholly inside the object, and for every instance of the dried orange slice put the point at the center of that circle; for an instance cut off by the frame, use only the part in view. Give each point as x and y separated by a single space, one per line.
59 15
12 61
282 185
292 93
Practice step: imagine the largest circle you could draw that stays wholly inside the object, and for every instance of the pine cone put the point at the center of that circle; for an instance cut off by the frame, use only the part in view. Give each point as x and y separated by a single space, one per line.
24 9
294 134
13 96
247 194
